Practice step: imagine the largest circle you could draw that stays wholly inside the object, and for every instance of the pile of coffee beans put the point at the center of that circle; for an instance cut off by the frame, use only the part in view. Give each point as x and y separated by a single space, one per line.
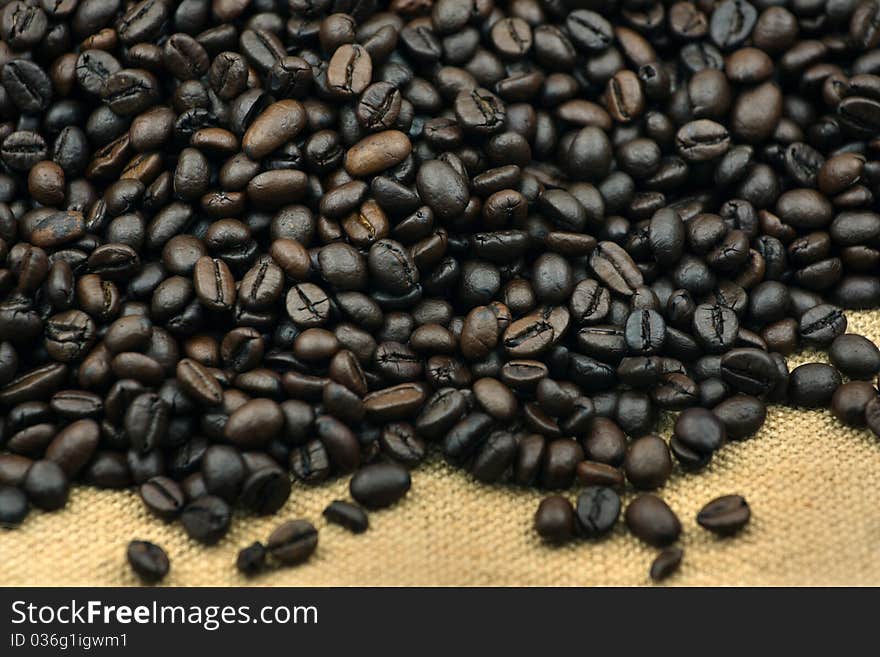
244 239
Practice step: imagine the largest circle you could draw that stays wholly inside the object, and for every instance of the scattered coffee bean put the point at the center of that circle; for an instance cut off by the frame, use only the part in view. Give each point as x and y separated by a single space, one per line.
148 561
252 559
725 515
347 515
293 542
666 563
554 519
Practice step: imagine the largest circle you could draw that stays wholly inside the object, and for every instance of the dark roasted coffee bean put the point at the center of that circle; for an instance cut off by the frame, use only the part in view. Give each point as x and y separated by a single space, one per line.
822 324
668 561
813 384
46 485
742 415
148 560
347 515
647 463
13 506
650 519
855 356
725 515
252 559
379 485
206 519
163 496
293 542
555 519
597 511
700 430
849 401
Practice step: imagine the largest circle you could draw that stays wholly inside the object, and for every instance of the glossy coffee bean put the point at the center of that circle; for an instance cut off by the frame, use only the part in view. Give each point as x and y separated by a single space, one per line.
725 515
293 542
206 519
379 485
148 560
650 519
348 515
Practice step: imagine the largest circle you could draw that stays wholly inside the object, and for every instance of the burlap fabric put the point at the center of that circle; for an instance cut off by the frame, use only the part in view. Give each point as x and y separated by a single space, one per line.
813 486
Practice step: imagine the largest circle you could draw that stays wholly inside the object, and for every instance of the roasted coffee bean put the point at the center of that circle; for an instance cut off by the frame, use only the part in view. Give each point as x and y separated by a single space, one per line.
293 542
699 429
265 490
668 561
813 384
148 560
74 446
555 519
849 401
597 511
348 515
647 463
13 506
163 496
46 485
650 519
725 515
252 559
855 356
379 485
743 415
206 519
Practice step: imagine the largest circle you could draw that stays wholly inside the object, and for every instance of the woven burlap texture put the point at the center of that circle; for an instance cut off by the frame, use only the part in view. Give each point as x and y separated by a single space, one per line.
813 486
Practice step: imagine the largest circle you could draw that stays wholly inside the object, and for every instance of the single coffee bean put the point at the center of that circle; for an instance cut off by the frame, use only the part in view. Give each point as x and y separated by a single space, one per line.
647 463
813 384
252 559
206 519
13 506
598 508
148 560
163 496
293 542
849 401
348 515
46 485
725 515
650 519
855 356
742 415
554 519
667 562
379 485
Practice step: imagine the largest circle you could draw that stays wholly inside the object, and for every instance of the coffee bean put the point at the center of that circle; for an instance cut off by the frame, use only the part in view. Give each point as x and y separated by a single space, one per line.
347 515
598 508
647 463
254 423
667 562
650 519
554 519
377 152
725 515
148 560
206 519
379 485
46 485
252 559
855 356
293 542
163 496
849 401
699 429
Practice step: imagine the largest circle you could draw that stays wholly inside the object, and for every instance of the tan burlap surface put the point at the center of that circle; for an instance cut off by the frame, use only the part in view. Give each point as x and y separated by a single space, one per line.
813 485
